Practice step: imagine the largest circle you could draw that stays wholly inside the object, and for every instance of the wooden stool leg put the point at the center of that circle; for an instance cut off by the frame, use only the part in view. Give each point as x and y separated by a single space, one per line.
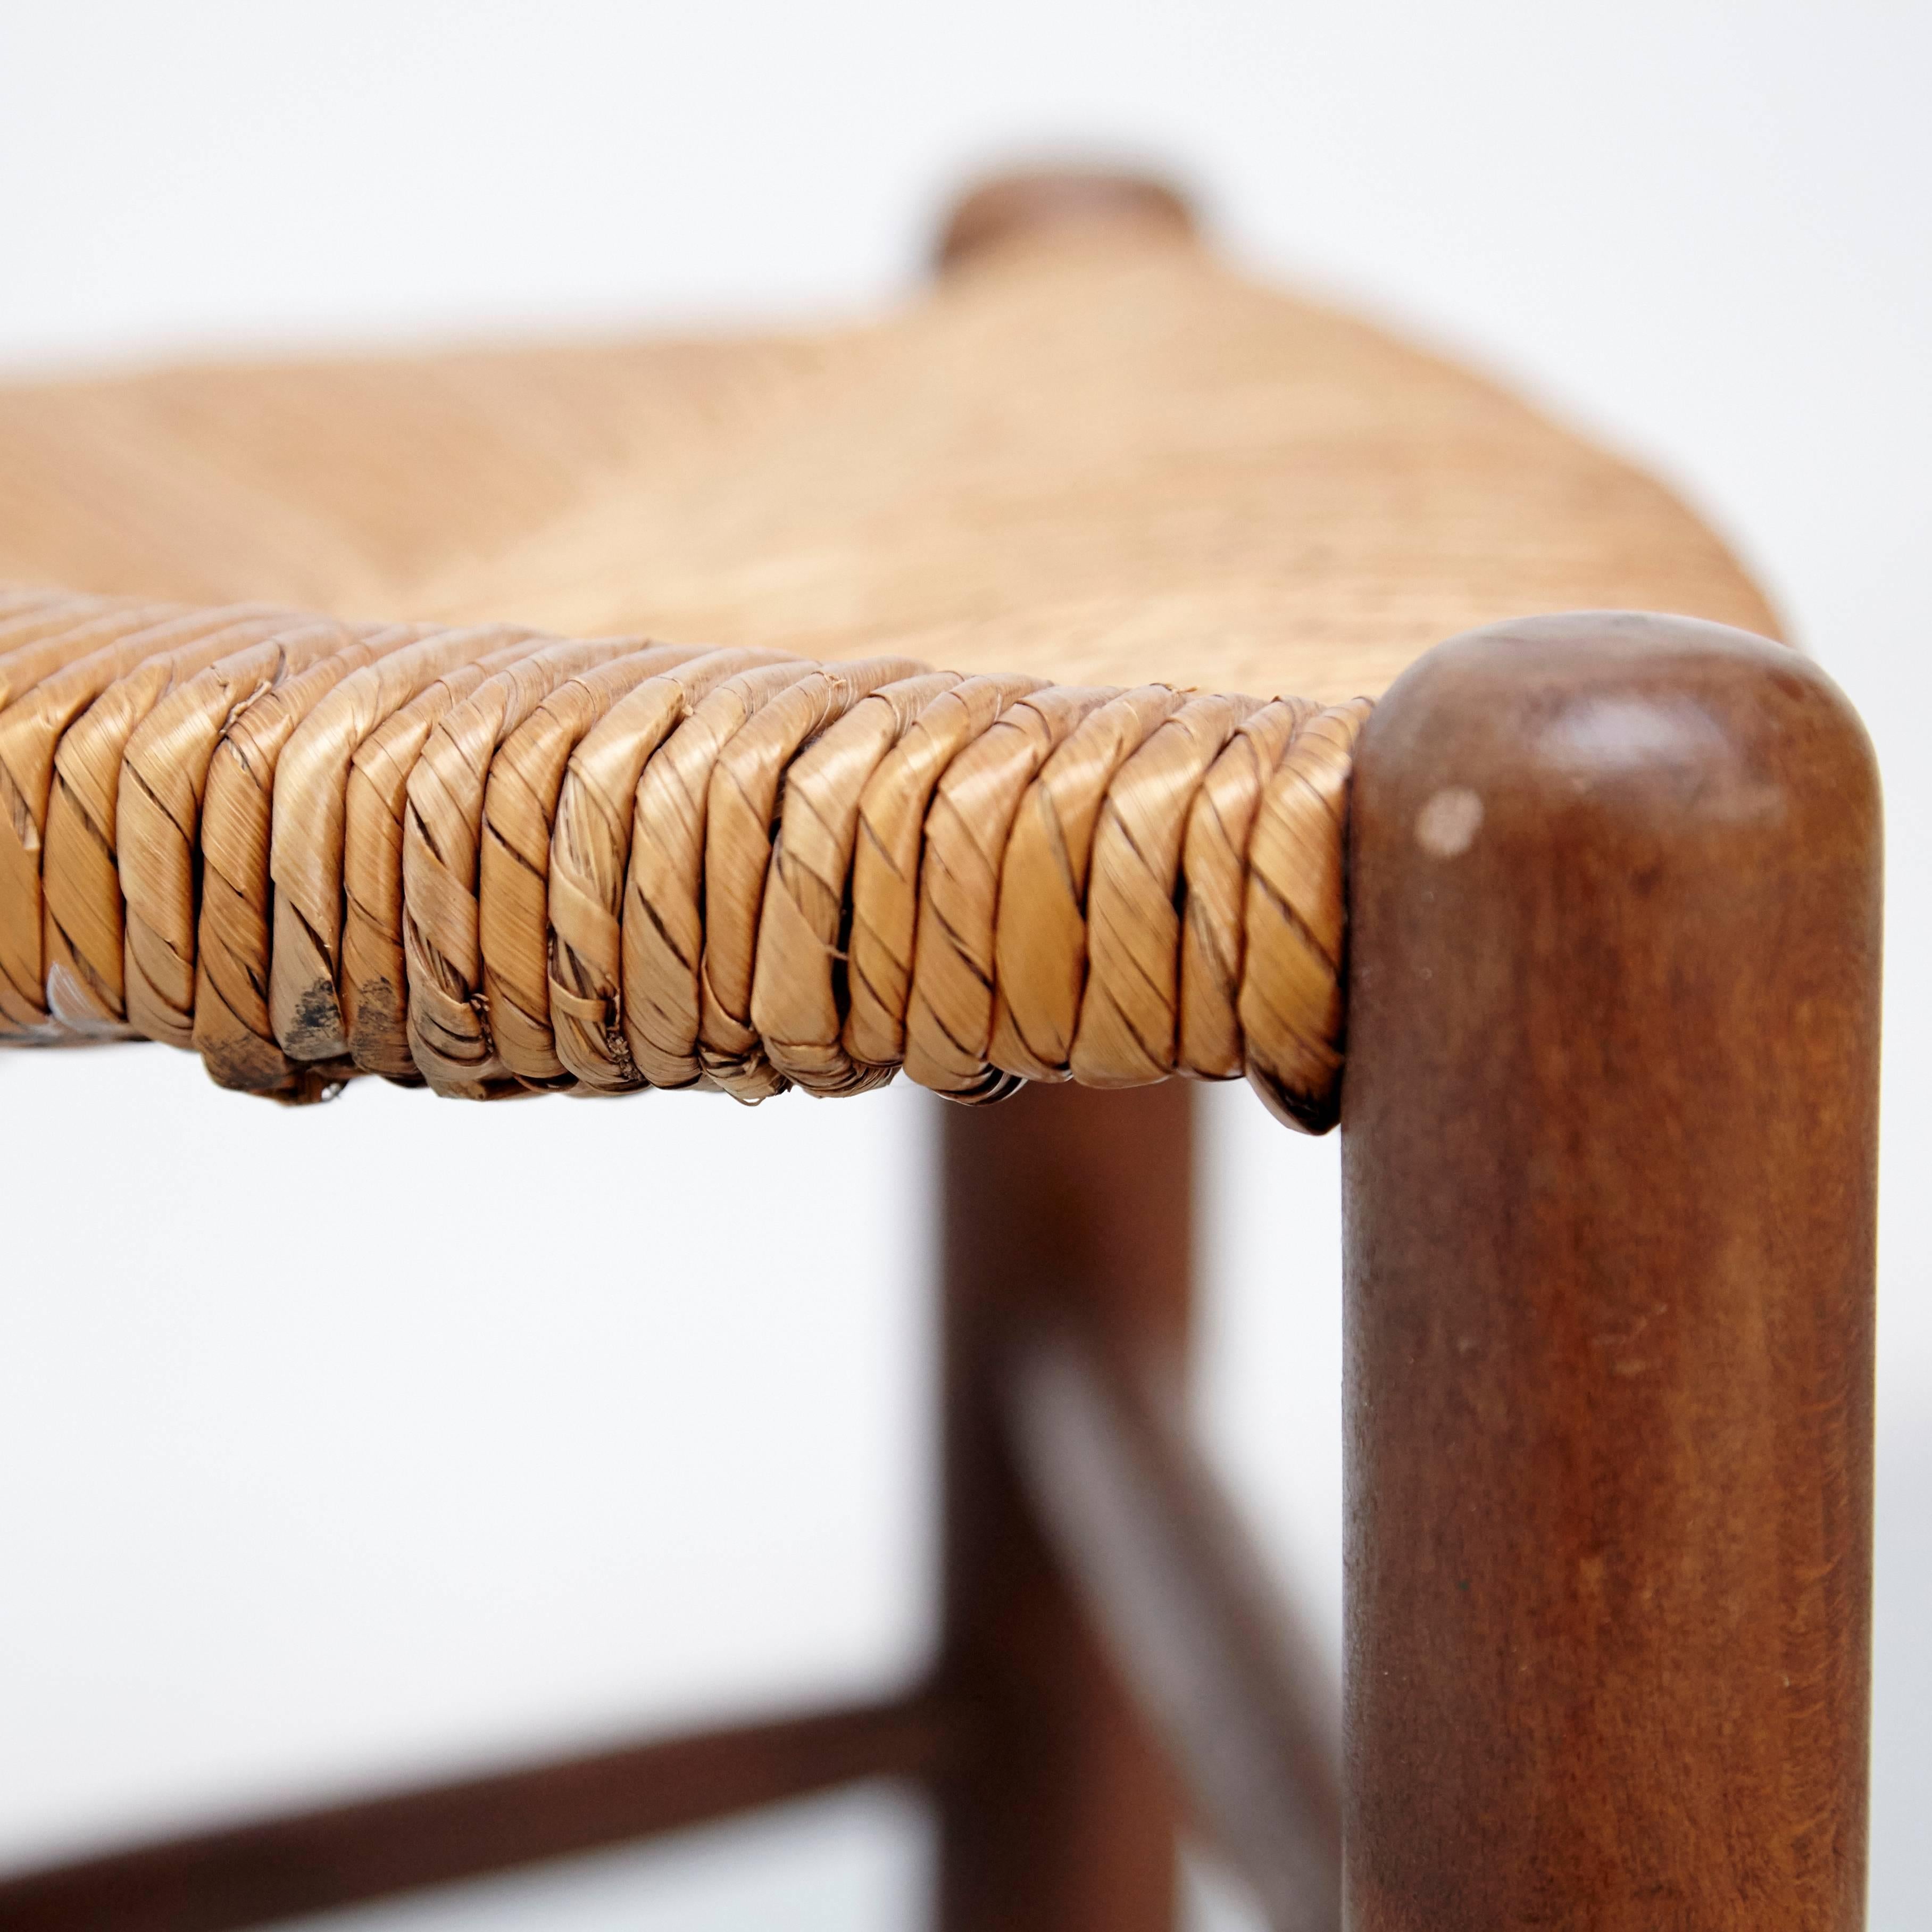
1063 1205
1609 1143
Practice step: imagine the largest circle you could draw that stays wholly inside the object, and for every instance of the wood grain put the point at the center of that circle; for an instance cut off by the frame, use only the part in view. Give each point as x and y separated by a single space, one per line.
1608 1140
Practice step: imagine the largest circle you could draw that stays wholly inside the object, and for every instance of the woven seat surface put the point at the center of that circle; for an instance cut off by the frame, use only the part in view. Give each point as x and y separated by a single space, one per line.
972 691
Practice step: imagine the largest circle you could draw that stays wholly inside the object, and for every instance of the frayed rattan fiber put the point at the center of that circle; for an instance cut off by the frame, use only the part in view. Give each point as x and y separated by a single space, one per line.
501 863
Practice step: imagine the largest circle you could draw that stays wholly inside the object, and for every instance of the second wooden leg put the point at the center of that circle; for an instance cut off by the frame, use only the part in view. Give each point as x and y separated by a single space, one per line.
1061 1205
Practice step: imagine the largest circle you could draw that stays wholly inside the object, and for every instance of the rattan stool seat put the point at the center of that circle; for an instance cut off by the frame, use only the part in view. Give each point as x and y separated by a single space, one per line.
972 749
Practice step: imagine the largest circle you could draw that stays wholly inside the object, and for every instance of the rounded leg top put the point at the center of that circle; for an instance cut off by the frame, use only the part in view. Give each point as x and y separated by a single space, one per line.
1013 205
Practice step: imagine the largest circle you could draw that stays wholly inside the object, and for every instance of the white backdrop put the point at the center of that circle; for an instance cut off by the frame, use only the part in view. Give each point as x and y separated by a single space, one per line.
293 1486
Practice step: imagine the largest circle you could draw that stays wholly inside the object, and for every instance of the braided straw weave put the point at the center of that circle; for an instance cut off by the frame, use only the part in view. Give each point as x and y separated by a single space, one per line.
1095 472
500 862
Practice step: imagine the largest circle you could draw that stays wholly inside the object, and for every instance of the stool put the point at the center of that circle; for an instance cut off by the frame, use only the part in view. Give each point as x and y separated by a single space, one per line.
1038 692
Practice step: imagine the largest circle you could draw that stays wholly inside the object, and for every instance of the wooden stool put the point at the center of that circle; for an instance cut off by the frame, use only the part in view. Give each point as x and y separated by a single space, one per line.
1015 731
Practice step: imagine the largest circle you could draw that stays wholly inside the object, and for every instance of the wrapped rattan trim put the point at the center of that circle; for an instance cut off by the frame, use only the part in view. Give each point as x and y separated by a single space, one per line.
800 986
1291 998
372 979
39 635
950 1014
233 1031
309 831
1039 956
1214 862
590 851
80 888
741 822
886 861
663 942
33 732
450 1040
519 802
1130 1013
163 777
501 862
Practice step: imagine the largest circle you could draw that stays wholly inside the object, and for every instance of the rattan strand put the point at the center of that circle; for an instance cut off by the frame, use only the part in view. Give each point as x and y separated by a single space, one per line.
590 846
84 940
449 1039
309 859
502 863
163 777
371 979
232 1030
131 643
520 793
